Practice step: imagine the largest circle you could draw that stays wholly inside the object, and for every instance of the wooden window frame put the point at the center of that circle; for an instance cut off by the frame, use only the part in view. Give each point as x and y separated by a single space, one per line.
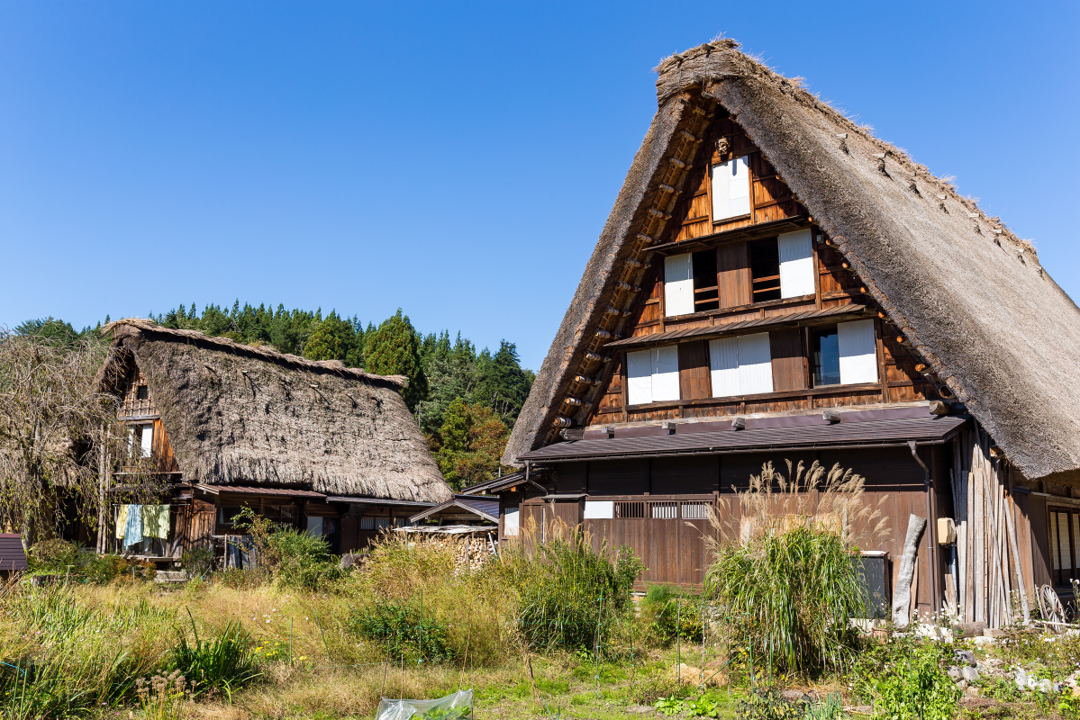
1074 571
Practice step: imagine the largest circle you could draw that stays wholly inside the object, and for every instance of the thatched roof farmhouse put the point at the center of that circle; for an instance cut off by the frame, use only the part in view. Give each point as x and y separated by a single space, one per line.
971 297
775 283
235 424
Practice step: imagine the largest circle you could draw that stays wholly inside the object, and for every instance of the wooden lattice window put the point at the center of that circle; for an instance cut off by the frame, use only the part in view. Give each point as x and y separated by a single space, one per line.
137 400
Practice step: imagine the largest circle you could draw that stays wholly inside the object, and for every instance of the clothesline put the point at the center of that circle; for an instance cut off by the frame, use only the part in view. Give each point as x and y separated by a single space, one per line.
136 522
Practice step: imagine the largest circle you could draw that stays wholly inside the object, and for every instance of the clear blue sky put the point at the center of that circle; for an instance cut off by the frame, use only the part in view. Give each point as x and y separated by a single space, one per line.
456 160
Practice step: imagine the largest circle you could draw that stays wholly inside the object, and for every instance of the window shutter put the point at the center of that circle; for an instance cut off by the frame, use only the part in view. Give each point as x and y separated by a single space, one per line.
147 440
724 366
510 522
741 365
796 264
599 510
639 377
731 188
665 379
679 284
755 364
858 352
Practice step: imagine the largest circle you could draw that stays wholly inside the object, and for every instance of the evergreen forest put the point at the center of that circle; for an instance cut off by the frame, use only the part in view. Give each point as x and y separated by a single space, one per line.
465 400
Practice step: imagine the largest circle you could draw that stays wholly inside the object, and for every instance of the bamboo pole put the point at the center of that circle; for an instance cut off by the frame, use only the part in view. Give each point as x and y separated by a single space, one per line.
979 540
969 530
1021 586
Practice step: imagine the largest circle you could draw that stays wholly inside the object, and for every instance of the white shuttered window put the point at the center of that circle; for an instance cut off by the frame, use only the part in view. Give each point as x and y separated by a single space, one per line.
679 284
652 375
858 352
796 264
147 441
741 365
731 189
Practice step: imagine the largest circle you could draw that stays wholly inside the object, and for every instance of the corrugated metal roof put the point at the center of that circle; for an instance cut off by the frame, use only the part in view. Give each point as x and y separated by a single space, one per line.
12 557
488 506
485 508
497 484
248 490
730 328
875 432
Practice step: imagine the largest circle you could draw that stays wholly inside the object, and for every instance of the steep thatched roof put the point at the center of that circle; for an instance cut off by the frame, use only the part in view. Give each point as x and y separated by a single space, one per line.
237 414
973 298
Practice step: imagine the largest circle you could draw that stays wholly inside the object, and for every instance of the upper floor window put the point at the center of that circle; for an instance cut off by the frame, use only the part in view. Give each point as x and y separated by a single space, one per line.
652 375
741 365
141 440
731 189
844 354
740 273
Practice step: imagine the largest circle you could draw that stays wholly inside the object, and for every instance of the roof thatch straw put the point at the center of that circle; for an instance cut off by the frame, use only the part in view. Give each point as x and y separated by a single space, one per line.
972 297
236 414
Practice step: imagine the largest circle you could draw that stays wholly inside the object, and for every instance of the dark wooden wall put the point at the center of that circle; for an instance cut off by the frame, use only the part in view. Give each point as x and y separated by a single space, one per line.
895 490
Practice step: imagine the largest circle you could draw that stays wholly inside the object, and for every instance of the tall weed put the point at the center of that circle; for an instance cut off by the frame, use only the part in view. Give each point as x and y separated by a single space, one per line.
786 577
569 594
222 662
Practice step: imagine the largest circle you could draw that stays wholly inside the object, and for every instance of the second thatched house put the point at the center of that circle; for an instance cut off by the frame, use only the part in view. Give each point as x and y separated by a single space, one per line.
324 448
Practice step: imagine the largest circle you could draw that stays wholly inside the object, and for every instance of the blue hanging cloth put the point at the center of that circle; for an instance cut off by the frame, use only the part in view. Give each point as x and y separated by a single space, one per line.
133 534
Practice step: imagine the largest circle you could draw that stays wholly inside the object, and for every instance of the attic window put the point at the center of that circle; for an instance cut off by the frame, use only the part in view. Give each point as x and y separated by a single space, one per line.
142 393
765 269
782 267
731 189
690 283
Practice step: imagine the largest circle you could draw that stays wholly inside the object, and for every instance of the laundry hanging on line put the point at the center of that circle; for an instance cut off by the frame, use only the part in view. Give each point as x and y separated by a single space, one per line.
121 521
155 520
133 533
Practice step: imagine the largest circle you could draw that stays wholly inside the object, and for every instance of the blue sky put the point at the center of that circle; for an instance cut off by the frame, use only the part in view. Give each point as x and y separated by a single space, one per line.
457 160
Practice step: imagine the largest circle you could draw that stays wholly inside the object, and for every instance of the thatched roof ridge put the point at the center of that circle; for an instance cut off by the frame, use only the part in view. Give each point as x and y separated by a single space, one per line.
971 296
239 415
261 352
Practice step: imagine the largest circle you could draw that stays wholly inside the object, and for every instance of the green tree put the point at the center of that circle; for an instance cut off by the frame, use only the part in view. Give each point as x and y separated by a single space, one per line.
469 444
502 383
394 349
335 339
49 329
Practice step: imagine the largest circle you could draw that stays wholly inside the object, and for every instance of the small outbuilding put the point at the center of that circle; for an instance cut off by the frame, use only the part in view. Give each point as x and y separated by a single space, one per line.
12 555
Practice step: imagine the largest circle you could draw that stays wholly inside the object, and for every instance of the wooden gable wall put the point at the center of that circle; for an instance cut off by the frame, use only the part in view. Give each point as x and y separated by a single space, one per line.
774 209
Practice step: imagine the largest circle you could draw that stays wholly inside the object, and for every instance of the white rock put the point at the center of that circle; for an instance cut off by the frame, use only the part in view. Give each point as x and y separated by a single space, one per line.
970 674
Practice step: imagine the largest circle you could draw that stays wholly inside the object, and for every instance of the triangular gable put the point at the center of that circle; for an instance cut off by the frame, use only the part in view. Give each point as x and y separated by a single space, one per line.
971 298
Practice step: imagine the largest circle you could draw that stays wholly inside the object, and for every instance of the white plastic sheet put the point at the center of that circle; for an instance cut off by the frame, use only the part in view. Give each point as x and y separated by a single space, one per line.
458 706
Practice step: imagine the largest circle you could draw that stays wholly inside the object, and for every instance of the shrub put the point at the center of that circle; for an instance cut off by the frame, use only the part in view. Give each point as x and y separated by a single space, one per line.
571 595
670 613
198 561
55 557
405 632
222 662
790 581
475 604
907 680
767 703
302 561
